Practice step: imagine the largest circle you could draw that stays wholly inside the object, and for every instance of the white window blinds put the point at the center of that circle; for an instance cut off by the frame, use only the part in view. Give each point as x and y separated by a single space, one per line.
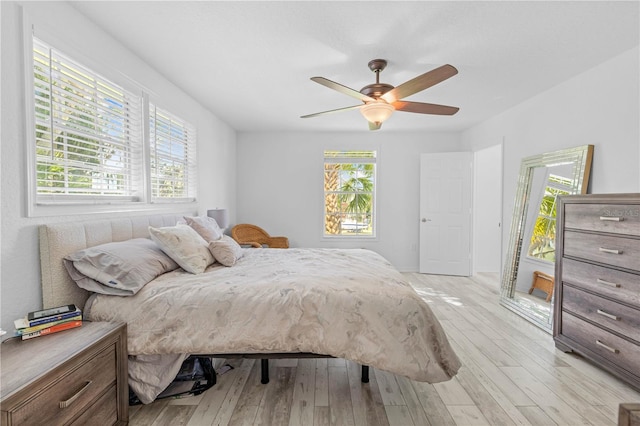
88 132
173 157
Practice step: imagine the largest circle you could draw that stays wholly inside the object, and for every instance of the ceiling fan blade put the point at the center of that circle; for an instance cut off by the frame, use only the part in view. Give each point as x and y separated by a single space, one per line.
374 126
331 111
424 81
342 89
424 108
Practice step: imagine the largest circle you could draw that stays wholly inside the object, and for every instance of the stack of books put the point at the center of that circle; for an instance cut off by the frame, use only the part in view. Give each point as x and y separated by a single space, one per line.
41 323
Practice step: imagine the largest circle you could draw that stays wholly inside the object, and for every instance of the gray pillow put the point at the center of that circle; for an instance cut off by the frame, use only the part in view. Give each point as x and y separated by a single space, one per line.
226 250
119 268
206 227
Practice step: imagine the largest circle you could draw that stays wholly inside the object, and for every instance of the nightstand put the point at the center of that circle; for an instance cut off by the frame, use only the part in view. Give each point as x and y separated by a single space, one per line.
77 376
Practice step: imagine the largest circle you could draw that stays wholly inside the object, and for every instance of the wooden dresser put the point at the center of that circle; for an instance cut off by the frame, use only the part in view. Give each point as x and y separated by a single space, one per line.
75 377
597 295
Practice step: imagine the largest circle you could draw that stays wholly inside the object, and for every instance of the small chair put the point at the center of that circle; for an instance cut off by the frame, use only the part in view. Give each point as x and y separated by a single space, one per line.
255 236
543 282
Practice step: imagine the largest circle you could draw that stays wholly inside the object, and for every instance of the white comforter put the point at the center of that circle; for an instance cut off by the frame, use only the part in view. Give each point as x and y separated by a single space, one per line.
350 304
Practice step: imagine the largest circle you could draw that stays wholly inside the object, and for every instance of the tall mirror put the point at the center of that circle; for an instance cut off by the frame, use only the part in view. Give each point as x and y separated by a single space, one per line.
528 275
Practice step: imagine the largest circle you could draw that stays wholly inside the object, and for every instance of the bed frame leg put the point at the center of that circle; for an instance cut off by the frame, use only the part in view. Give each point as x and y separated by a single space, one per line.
365 374
264 365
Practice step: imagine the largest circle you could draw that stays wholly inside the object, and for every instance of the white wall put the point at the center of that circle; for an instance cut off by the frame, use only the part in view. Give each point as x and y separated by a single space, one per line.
486 251
598 107
280 186
20 274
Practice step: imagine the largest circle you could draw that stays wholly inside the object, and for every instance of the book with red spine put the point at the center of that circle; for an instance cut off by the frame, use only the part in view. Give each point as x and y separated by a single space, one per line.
53 329
27 330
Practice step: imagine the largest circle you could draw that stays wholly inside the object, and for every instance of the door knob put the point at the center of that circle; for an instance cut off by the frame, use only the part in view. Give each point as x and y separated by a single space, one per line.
424 219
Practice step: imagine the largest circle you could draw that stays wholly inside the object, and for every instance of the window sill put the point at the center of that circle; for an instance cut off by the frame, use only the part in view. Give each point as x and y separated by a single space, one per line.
532 259
43 210
349 238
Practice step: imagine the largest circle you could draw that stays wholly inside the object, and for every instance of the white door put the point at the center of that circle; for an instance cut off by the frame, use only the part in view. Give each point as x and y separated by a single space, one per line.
445 213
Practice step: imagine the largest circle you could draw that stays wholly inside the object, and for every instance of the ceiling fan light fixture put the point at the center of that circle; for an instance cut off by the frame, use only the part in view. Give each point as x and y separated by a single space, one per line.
377 112
381 99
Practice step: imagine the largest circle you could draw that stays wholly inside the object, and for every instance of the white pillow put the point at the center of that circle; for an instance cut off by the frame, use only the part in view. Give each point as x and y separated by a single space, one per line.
226 250
205 226
184 246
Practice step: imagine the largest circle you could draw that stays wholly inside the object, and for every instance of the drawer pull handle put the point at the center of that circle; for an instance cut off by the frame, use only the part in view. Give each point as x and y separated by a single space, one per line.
609 283
609 348
612 251
68 402
608 315
612 218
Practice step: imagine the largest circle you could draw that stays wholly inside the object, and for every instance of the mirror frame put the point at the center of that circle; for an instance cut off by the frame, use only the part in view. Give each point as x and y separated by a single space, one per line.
581 157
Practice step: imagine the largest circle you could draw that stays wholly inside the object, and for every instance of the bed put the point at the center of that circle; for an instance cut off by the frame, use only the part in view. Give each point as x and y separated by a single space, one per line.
345 303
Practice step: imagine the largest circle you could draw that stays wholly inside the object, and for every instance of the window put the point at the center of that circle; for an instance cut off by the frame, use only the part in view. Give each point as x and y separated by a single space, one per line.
349 193
88 133
173 159
90 145
542 244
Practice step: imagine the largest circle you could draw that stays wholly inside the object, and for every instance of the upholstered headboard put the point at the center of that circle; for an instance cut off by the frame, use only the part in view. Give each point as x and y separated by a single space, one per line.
60 239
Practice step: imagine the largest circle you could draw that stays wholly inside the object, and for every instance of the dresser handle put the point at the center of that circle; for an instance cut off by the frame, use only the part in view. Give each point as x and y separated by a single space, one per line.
612 251
68 402
612 218
609 348
608 315
609 283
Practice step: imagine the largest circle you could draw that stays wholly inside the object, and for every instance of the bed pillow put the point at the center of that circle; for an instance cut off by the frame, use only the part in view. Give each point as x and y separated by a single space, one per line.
226 250
205 226
184 245
118 268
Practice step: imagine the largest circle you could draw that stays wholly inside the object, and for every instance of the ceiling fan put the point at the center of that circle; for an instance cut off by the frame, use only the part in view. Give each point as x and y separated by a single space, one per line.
381 99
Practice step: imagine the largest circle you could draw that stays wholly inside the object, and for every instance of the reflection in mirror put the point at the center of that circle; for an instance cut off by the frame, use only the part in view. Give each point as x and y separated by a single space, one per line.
527 279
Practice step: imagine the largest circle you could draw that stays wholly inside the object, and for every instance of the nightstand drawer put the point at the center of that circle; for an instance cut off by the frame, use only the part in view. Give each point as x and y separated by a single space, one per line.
103 412
616 251
608 314
619 351
618 285
613 218
75 389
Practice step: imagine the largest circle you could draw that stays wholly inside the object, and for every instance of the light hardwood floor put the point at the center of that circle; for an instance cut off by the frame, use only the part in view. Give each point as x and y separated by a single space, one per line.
511 374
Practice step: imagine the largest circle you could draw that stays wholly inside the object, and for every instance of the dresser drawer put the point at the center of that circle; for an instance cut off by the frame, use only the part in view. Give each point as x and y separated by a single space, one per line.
614 316
620 352
614 218
78 387
616 251
618 285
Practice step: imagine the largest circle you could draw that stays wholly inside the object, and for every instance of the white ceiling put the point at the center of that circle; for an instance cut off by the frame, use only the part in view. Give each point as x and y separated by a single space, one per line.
250 62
